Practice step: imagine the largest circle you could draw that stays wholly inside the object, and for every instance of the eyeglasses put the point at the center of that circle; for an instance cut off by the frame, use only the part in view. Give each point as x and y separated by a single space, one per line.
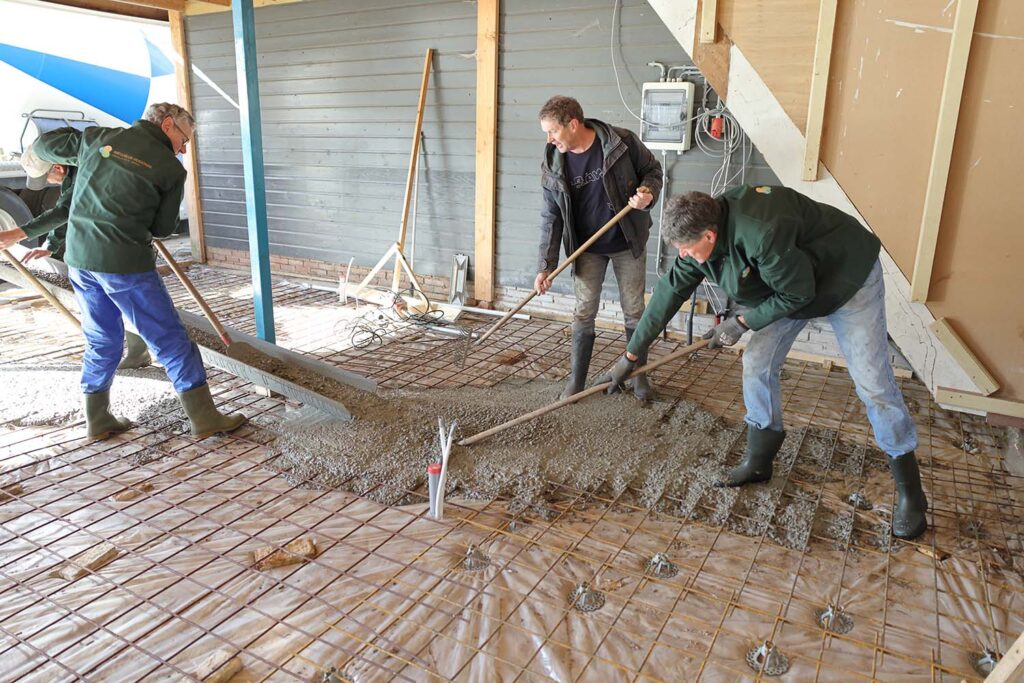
185 139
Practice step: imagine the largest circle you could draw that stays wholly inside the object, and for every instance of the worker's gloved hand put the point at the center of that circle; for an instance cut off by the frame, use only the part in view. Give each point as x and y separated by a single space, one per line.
618 375
725 333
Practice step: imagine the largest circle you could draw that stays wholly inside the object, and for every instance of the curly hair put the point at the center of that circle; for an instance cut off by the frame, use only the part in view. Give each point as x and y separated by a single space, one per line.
688 215
562 110
157 112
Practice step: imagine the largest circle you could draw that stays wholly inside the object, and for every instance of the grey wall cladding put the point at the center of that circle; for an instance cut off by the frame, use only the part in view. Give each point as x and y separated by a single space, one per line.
565 50
339 85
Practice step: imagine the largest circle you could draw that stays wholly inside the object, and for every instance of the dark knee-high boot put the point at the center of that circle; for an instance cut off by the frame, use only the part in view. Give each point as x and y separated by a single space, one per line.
908 517
579 365
762 447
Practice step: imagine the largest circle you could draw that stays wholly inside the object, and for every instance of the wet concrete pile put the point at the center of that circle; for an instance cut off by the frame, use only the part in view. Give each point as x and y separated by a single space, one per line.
666 457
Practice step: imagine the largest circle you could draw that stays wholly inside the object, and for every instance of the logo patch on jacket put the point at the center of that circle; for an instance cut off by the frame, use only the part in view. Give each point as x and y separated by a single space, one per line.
105 151
763 189
746 272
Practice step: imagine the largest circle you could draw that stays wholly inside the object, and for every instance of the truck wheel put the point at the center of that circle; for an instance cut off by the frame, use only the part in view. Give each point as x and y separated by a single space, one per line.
13 211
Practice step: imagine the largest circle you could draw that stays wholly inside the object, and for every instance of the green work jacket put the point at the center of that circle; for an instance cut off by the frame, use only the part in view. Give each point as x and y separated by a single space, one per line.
128 191
778 254
54 222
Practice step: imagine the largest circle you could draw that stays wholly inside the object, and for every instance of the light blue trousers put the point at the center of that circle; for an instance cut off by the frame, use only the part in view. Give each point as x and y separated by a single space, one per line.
860 329
144 302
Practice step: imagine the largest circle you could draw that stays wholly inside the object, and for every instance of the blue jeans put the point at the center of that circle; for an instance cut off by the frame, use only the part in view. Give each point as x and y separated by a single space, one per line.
860 329
144 302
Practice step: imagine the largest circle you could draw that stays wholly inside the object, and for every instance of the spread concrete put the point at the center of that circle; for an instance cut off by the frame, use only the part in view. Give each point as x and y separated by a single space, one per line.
52 394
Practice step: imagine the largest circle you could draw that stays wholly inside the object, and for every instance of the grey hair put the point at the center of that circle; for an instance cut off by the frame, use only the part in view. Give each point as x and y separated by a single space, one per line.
687 216
157 112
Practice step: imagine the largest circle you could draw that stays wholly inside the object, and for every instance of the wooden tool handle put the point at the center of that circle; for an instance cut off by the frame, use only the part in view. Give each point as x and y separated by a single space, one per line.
34 281
562 266
207 311
469 441
505 318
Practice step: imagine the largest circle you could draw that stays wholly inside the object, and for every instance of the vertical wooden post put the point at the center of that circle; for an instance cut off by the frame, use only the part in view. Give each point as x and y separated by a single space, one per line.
413 158
708 21
942 151
819 88
244 21
488 17
182 70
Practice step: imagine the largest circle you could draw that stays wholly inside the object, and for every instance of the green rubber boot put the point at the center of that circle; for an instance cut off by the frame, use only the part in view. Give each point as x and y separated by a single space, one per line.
98 420
137 355
582 349
762 447
908 518
204 416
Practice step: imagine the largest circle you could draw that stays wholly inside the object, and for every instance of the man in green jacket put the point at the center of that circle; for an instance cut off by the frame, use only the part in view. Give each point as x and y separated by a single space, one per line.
54 224
786 259
128 190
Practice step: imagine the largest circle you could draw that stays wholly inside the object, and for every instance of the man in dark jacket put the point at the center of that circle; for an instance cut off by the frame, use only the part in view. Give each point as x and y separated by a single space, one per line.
590 172
54 224
786 259
128 190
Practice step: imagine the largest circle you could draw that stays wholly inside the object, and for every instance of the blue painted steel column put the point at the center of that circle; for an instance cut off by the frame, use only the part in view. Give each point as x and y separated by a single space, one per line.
243 18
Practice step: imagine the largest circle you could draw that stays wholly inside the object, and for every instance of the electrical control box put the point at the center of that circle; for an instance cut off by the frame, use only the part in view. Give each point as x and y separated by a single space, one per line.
667 112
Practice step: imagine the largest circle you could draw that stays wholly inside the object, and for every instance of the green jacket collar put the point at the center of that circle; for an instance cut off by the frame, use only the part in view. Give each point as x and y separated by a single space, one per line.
722 238
155 132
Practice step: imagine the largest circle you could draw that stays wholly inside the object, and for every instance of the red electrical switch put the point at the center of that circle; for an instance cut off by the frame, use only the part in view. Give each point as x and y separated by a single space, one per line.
717 127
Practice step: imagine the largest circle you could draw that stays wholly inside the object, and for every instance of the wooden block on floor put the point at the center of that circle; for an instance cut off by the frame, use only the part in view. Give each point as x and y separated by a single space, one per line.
510 357
299 550
217 667
132 492
92 559
10 492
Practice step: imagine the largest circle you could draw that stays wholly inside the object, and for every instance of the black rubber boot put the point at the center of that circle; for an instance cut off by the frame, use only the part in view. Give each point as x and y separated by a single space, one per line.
641 386
204 416
762 447
582 348
137 355
100 423
908 518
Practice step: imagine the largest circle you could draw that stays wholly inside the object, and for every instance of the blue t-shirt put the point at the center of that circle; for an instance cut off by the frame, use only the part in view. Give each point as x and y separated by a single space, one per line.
591 208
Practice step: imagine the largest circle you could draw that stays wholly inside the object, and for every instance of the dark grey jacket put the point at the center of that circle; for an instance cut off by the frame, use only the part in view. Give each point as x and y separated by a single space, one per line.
628 164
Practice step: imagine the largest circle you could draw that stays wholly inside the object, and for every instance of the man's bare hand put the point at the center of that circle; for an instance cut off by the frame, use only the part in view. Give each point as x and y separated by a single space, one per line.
642 199
541 283
33 254
9 238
